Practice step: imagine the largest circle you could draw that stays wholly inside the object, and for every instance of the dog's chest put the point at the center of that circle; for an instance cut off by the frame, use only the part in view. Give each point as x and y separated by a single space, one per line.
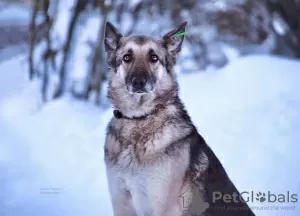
133 144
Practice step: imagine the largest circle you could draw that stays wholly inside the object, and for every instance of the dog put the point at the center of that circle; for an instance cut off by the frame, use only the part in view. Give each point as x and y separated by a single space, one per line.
157 164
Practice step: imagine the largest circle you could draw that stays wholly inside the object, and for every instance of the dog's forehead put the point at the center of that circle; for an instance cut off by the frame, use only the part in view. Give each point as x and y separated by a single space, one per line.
140 43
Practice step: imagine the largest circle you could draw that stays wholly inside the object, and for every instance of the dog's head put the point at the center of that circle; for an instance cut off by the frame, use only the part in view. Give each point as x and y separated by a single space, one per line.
141 65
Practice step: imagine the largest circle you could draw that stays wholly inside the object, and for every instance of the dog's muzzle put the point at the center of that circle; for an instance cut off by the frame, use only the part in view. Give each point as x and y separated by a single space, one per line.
139 84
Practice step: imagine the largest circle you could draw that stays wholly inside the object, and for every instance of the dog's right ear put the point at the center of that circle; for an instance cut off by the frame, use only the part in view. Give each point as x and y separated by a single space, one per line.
112 37
172 42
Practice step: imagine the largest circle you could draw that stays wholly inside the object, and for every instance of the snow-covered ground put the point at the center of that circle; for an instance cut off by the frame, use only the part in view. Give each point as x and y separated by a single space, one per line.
51 157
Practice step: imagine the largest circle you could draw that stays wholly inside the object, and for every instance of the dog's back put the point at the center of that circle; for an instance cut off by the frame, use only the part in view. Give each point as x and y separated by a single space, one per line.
215 188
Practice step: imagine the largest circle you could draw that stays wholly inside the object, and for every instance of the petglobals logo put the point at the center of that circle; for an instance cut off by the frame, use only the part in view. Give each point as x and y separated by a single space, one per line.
270 197
251 197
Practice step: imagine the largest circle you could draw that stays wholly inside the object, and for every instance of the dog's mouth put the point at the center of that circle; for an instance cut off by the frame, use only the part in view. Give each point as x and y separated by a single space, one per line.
142 91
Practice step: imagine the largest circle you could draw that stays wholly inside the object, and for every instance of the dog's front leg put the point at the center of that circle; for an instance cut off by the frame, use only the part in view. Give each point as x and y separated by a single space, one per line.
156 191
120 197
154 201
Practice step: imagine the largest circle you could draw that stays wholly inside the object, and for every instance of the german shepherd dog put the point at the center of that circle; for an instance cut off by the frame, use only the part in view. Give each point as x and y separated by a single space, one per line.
157 163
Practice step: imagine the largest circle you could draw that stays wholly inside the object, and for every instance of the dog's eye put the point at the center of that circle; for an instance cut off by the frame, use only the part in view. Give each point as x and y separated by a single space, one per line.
154 58
127 58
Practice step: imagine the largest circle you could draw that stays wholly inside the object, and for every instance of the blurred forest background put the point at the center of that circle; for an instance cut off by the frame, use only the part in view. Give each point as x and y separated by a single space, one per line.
217 30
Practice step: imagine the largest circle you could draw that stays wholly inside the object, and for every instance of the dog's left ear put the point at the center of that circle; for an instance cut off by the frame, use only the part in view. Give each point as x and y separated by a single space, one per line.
112 37
173 42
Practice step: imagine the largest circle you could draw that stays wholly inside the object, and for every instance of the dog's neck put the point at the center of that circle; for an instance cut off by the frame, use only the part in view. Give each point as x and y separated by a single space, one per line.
139 107
119 115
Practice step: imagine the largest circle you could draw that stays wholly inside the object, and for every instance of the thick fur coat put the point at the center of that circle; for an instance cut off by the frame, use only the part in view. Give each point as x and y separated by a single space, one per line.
157 163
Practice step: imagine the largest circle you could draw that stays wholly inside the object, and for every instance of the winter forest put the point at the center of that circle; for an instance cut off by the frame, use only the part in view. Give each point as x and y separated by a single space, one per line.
249 26
238 74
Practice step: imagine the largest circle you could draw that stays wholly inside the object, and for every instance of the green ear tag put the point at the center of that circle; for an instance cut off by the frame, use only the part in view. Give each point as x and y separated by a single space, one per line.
179 35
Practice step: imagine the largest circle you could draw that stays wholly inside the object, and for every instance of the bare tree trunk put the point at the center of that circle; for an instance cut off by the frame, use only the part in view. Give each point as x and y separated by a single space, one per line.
136 13
80 6
32 35
289 10
97 75
49 54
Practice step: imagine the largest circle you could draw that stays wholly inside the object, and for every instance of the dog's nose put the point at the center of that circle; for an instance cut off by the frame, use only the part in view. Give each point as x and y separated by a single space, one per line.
138 83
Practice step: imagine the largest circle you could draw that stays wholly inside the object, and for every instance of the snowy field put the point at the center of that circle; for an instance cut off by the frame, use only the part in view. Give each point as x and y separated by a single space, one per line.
51 157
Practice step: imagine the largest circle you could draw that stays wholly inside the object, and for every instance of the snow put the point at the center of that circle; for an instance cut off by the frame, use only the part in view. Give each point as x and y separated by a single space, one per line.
51 157
62 151
249 115
87 33
14 72
279 25
15 14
